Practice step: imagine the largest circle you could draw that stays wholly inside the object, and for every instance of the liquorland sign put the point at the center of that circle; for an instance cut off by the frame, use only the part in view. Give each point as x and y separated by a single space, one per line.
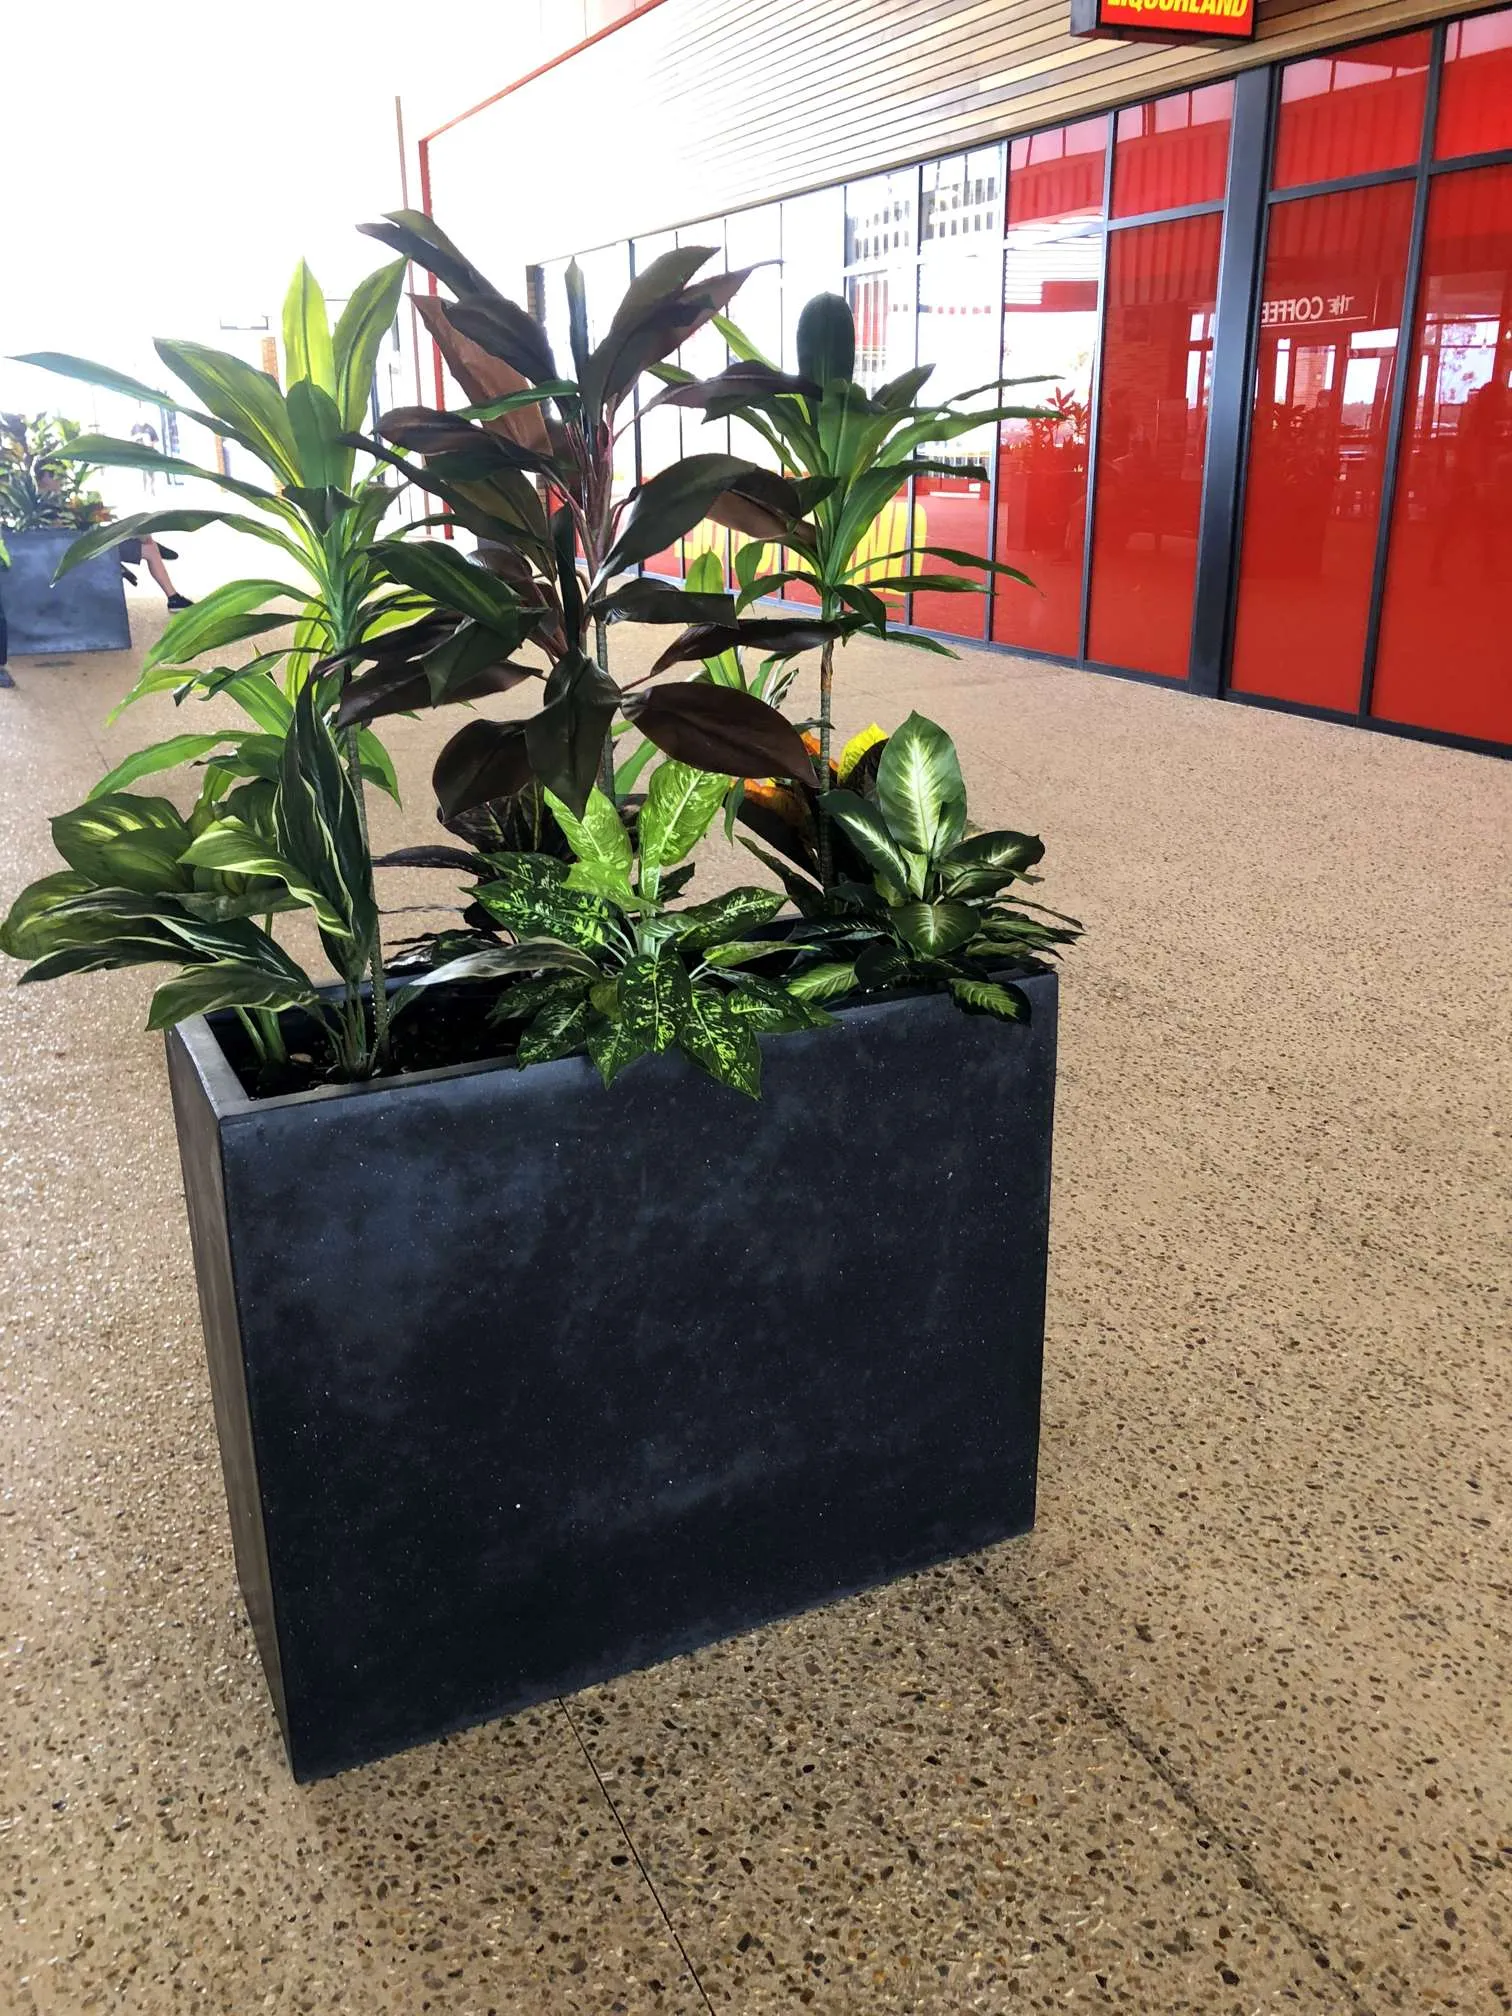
1165 20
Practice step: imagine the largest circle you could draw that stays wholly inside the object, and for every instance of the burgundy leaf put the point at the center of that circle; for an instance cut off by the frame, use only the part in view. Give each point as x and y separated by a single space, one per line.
720 728
778 636
484 760
483 378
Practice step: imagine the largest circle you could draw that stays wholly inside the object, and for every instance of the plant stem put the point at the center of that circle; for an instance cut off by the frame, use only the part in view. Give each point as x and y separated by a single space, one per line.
606 760
375 963
826 691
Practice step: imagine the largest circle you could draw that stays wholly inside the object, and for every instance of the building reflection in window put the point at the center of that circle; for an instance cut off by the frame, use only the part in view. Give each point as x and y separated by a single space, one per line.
1051 270
1156 382
1330 306
1443 660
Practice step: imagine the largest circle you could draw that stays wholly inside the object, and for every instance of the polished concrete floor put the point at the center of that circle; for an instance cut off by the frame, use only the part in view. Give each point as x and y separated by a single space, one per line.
1229 1733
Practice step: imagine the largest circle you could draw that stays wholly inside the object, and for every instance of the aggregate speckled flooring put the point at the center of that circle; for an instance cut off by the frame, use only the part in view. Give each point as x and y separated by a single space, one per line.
1229 1733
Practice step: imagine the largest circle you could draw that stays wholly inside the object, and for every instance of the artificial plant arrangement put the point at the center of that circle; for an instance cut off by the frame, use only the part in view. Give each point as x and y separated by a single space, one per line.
44 487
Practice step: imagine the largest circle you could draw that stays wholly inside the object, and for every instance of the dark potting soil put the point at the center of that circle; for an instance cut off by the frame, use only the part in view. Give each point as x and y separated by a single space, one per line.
446 1025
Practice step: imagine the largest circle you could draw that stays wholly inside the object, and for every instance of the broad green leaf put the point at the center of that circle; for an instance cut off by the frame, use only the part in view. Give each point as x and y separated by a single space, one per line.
514 402
166 755
988 998
218 619
680 806
726 917
25 933
824 982
248 401
497 962
320 834
325 464
365 321
308 352
771 1008
124 841
719 1041
523 997
936 929
599 838
920 789
594 879
533 902
741 951
438 570
138 524
231 848
612 1044
653 996
224 984
557 1030
865 828
1012 853
104 451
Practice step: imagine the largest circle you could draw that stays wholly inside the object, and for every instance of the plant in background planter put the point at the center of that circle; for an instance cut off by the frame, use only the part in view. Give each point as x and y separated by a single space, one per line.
613 1409
44 502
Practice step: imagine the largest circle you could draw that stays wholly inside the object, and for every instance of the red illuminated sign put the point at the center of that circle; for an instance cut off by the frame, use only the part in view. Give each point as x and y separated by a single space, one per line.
1165 20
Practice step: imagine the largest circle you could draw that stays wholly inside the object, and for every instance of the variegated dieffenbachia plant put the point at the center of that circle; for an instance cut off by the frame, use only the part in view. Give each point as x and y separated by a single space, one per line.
602 962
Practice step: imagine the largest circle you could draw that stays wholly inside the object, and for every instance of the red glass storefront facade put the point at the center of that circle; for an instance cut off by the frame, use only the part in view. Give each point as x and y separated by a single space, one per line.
1271 324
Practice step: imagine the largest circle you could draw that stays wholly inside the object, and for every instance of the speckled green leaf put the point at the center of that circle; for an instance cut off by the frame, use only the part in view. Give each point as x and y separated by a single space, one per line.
987 998
557 1030
653 994
530 897
728 916
719 1041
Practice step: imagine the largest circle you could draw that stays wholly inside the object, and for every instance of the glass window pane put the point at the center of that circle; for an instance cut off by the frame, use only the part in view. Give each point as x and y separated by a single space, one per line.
958 334
879 218
1152 435
754 238
883 304
1443 659
1050 324
1332 300
1475 96
659 432
962 199
1173 152
813 258
705 355
1058 174
1352 114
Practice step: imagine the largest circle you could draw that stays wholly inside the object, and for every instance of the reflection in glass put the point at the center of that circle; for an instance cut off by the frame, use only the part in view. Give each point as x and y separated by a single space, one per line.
962 198
1443 660
1330 305
1171 152
958 334
1050 281
1352 114
879 218
1058 174
1475 96
1156 381
813 258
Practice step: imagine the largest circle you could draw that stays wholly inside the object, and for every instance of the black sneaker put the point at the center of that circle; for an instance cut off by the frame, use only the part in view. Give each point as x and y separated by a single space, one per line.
180 601
5 677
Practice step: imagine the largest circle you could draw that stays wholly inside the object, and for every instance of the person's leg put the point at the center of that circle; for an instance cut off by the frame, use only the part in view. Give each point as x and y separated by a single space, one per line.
153 557
5 677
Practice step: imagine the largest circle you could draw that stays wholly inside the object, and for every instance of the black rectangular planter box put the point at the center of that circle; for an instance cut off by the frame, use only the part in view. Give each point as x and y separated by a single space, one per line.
521 1383
85 612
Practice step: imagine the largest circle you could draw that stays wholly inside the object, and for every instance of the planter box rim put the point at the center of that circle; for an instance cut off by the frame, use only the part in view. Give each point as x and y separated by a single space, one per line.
233 1102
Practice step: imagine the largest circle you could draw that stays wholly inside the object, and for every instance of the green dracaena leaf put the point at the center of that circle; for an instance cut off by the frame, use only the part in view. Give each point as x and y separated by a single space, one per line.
220 618
25 933
166 755
364 322
225 983
827 339
123 841
865 828
825 981
308 351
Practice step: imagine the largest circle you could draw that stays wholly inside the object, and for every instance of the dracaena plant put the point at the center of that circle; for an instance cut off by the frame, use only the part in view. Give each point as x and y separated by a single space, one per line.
320 516
528 469
600 961
937 905
851 452
146 885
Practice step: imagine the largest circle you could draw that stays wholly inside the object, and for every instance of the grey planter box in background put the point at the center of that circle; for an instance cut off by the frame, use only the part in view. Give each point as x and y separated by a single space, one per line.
85 612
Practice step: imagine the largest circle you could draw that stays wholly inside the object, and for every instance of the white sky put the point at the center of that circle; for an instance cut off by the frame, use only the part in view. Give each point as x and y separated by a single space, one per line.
168 165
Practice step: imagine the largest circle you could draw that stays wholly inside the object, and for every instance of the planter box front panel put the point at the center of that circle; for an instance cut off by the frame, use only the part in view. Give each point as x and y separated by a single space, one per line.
544 1382
85 612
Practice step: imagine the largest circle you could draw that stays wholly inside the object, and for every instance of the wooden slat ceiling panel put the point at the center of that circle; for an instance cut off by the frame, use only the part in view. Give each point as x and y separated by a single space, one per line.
707 107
